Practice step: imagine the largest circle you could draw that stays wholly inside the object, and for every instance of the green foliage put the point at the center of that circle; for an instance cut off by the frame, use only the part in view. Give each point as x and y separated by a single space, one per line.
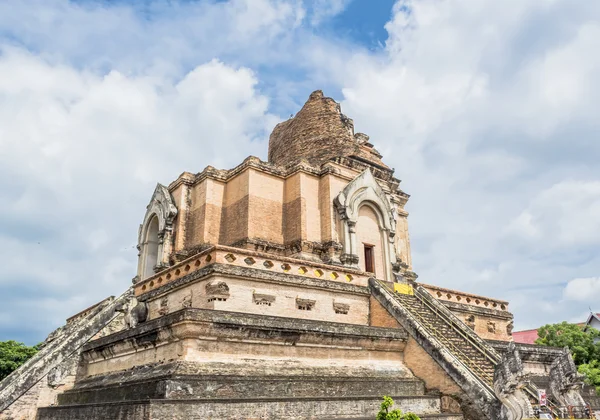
386 414
592 374
13 355
586 353
581 343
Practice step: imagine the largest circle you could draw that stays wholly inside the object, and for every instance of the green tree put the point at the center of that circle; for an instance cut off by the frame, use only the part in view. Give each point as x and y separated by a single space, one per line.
592 374
584 345
13 355
396 414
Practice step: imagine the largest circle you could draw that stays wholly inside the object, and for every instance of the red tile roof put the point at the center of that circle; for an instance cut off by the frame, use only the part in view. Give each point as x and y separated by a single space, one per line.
525 337
529 336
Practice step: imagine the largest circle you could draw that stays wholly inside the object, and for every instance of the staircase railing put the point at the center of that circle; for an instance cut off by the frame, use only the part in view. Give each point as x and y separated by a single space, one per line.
474 365
66 343
467 333
454 322
465 360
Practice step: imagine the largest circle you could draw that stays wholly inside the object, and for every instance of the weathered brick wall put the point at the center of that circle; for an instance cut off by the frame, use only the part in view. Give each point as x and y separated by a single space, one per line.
428 370
235 219
379 316
265 210
318 132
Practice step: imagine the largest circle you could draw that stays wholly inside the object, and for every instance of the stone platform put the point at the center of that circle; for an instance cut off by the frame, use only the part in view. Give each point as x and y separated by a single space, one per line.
296 408
200 364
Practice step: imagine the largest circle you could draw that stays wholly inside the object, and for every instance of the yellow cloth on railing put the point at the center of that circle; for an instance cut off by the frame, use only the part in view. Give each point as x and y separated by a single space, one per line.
403 288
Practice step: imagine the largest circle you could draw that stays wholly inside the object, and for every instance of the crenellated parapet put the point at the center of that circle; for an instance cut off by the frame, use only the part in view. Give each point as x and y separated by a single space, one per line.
241 258
488 317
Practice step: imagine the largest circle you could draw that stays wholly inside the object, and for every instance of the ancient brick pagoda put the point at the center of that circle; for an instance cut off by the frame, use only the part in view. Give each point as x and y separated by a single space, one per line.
284 289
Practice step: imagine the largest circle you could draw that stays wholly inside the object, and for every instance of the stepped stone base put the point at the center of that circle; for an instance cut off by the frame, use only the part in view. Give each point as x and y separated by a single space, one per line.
242 366
216 388
293 408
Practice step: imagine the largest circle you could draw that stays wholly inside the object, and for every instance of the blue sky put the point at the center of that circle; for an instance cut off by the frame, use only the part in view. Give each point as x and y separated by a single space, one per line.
487 110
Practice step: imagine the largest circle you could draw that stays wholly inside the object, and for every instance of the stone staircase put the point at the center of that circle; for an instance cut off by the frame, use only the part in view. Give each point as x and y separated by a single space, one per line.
465 357
62 348
456 340
184 390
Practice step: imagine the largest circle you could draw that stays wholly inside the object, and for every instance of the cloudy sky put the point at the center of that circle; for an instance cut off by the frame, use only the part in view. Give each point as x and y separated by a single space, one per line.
487 110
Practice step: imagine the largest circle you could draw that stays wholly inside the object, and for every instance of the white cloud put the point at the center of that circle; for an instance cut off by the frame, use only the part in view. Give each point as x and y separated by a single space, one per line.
153 37
487 111
84 152
565 215
325 9
583 289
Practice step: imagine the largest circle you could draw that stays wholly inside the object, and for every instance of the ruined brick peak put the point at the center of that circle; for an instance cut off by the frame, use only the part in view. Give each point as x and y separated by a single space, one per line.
320 132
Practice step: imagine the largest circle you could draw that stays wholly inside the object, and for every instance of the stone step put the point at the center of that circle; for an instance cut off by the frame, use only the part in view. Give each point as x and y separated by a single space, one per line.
442 416
216 387
275 408
449 337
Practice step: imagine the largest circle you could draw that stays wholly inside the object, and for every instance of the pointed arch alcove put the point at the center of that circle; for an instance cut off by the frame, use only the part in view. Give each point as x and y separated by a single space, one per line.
367 225
155 237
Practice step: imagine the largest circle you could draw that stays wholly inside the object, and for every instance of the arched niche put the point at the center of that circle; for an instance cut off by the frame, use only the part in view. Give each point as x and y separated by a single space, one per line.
364 193
150 248
370 240
155 237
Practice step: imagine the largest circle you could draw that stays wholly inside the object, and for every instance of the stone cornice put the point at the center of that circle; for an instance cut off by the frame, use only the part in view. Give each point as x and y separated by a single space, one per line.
252 321
303 166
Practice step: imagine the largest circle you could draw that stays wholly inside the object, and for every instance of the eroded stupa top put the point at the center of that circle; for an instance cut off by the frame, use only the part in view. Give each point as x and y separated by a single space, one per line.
319 132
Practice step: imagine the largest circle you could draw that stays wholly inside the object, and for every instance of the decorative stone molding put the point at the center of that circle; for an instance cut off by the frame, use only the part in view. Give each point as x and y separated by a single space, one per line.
221 256
164 306
364 189
186 302
163 208
341 308
135 312
217 289
262 299
305 304
509 327
470 321
450 295
565 381
349 259
509 381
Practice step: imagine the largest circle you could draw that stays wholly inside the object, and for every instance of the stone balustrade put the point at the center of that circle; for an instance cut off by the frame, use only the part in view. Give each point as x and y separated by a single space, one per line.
251 259
86 312
466 298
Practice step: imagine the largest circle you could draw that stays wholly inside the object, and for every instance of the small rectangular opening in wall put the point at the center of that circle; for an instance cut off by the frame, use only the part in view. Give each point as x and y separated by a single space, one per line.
369 259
